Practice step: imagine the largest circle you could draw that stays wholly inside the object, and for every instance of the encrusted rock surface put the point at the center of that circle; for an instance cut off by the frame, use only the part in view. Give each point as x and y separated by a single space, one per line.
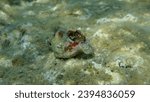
68 44
34 51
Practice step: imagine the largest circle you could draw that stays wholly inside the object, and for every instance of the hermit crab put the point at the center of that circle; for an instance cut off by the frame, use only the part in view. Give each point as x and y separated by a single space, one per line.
68 44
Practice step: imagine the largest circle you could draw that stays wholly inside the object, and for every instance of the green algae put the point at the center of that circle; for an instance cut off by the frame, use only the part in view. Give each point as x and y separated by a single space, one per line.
80 77
118 31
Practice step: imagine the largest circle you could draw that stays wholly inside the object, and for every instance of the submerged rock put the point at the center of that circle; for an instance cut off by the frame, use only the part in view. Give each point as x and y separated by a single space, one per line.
70 44
18 2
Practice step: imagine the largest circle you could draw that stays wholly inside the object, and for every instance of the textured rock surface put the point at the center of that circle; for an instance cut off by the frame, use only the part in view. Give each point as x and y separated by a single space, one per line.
118 31
69 44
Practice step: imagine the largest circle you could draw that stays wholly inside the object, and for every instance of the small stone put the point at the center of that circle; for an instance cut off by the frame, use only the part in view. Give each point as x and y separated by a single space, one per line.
70 44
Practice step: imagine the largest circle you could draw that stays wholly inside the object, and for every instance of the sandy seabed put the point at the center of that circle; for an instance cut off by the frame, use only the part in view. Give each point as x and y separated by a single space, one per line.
118 31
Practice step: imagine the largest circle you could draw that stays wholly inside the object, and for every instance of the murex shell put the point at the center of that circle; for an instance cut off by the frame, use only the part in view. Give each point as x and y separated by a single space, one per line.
71 43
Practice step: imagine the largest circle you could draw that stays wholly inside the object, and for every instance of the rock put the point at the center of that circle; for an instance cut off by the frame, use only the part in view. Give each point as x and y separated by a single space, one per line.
70 44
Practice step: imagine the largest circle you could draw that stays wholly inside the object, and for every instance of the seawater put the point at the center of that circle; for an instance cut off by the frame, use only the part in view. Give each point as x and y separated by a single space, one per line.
118 30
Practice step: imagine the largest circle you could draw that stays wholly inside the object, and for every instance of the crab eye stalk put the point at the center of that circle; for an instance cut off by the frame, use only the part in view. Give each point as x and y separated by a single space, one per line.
80 37
71 35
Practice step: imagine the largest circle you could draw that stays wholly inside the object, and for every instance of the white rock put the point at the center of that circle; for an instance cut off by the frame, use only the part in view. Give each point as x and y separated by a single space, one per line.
97 65
5 62
25 42
29 13
42 1
50 76
129 1
103 20
126 18
3 15
55 7
100 33
129 17
116 77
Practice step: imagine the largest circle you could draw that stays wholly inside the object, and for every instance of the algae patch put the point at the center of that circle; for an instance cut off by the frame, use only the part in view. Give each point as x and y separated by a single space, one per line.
116 34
